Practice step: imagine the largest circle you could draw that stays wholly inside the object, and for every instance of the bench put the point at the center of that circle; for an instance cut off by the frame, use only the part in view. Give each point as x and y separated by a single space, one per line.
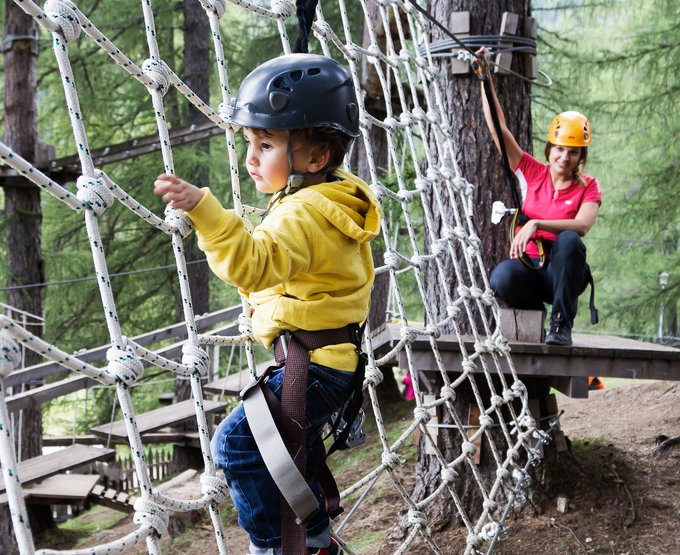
38 469
156 419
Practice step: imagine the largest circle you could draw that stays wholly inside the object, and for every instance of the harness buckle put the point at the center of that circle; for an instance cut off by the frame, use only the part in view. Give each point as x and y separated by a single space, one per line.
255 382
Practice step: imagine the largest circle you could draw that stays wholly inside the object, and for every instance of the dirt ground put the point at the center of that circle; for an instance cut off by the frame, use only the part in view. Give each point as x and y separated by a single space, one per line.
621 499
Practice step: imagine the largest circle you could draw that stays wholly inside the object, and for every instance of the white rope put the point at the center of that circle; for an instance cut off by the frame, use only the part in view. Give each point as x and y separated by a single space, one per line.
405 71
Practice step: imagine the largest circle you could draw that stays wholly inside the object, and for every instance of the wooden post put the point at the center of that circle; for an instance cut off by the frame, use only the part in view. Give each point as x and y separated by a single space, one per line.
459 25
523 326
509 26
530 62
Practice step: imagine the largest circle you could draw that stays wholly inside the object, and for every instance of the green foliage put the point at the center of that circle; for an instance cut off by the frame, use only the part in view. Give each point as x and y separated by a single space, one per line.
616 63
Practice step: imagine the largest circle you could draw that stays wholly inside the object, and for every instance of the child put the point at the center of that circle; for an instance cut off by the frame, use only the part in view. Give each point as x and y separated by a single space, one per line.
306 267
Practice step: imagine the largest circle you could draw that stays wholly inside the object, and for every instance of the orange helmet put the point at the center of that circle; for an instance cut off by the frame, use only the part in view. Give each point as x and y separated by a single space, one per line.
569 129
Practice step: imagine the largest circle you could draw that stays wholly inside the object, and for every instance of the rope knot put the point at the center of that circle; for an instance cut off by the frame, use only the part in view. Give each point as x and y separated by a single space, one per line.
157 74
419 262
469 366
490 505
468 448
508 396
152 514
453 311
433 330
496 401
178 220
373 376
94 193
391 123
448 475
379 191
416 518
519 388
419 114
502 474
527 422
124 365
392 259
214 487
218 6
486 421
408 335
421 415
460 184
195 357
66 17
474 541
10 355
283 8
245 327
390 460
448 392
438 247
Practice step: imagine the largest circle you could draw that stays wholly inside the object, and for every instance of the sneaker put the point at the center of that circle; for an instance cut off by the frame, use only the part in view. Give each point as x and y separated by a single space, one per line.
560 331
332 549
595 383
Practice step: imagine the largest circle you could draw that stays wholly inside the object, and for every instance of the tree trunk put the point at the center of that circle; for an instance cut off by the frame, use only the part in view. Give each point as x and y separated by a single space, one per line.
481 165
196 72
23 218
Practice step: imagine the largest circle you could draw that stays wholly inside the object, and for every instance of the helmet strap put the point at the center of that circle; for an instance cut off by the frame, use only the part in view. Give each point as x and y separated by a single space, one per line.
295 180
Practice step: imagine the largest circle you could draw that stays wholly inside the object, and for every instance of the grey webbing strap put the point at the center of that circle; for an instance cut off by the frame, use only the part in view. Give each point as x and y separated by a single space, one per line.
287 477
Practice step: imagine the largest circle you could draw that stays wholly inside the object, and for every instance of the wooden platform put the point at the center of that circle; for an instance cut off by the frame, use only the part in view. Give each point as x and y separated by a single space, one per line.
43 467
567 367
154 420
61 489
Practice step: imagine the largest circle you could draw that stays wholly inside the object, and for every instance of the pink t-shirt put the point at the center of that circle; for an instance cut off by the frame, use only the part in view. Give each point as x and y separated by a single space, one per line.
542 202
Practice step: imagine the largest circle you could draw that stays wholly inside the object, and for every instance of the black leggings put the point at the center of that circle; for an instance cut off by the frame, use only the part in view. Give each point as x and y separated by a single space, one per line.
560 281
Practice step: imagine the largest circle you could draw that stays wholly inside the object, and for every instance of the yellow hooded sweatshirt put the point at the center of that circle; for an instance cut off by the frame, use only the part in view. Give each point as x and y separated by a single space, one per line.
308 265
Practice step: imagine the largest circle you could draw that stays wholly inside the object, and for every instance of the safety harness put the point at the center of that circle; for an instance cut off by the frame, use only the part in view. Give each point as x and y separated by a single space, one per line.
279 428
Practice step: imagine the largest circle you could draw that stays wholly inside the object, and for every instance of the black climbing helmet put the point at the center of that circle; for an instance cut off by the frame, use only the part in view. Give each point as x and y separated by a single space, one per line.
297 91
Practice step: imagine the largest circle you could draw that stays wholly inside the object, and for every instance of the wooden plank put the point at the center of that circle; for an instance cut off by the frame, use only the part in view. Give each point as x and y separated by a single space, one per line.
459 25
234 383
530 31
433 424
525 326
159 418
61 489
176 331
68 168
509 26
40 468
91 439
473 422
590 355
48 392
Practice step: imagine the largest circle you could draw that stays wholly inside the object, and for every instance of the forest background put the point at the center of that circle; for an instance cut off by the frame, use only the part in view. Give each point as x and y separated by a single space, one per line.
614 61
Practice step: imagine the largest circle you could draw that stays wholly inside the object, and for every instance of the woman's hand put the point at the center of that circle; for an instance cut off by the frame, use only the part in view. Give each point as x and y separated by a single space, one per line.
522 238
177 192
480 65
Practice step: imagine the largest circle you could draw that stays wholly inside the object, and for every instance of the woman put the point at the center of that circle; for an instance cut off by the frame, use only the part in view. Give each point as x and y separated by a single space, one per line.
562 205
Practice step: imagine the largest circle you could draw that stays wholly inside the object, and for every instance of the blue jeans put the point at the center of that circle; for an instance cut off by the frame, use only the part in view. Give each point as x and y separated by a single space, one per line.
254 492
559 282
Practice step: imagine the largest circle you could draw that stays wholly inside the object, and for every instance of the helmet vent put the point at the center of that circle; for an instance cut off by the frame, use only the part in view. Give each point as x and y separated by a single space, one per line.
281 83
313 71
296 76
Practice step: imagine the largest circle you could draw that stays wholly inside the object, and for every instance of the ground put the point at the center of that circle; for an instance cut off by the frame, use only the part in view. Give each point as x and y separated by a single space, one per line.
621 499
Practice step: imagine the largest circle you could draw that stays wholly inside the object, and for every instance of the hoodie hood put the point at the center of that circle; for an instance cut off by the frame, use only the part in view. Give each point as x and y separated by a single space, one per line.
348 204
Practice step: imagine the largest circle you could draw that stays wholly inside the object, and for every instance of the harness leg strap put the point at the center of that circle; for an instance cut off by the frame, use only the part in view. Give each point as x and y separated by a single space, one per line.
291 483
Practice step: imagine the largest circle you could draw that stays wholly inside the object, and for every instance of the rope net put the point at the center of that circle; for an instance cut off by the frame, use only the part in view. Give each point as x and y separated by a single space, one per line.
423 174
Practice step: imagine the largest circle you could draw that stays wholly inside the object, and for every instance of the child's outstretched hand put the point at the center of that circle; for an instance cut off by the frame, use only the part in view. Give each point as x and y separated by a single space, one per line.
177 192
